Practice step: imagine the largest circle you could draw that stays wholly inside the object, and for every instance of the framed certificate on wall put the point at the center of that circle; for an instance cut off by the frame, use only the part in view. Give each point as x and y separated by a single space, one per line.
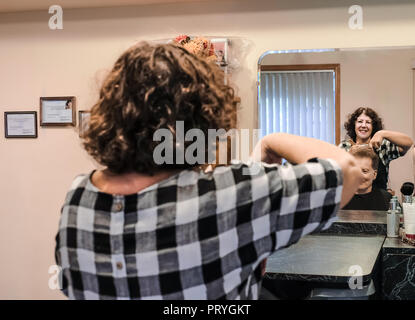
57 111
20 124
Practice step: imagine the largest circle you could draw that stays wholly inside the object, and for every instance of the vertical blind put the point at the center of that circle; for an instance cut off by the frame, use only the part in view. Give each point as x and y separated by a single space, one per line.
298 102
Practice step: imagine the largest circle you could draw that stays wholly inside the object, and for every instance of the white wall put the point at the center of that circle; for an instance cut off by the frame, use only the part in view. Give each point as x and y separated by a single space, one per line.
35 61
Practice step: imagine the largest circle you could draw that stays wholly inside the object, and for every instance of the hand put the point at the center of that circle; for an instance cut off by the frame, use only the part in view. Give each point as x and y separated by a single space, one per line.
391 191
376 140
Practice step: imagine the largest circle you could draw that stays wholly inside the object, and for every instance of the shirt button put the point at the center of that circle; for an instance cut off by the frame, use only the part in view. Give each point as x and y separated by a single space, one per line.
118 207
119 265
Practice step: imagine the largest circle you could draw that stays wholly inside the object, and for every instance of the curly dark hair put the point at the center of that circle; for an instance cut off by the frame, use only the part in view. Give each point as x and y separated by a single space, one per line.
151 87
350 124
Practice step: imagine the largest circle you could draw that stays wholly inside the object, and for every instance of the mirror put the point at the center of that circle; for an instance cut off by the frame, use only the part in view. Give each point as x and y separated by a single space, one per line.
312 92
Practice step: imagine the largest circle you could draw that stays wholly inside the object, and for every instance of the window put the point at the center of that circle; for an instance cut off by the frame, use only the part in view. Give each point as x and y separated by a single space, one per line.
302 100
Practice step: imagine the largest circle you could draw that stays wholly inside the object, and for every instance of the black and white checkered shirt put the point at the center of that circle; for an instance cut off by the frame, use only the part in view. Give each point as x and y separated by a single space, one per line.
387 151
194 235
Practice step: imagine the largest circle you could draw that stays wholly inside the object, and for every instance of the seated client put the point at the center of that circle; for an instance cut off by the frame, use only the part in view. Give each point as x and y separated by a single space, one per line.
368 196
152 224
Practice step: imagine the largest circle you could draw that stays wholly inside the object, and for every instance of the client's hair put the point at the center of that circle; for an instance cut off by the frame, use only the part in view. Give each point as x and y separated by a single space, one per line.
365 151
151 87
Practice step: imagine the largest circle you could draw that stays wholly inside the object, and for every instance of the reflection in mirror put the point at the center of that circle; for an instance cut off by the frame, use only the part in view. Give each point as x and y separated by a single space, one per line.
312 92
301 99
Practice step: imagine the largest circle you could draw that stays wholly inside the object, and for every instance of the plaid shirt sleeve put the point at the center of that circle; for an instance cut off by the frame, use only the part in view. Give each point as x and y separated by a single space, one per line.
194 235
297 199
345 144
387 152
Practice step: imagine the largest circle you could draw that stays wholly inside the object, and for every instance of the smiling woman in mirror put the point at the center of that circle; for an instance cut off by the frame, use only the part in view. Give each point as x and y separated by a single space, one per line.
364 126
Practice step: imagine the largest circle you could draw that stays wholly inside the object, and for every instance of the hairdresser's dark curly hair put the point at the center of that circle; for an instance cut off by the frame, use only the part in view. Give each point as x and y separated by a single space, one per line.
151 87
349 125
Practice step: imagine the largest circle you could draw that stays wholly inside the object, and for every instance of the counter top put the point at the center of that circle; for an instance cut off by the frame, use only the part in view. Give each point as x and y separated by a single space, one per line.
326 258
358 222
362 216
395 245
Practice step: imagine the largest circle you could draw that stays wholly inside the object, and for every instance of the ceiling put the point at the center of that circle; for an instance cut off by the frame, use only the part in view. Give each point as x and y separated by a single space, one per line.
29 5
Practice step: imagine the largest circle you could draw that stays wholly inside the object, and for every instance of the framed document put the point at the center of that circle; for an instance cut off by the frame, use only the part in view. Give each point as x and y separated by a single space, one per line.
20 124
57 111
83 121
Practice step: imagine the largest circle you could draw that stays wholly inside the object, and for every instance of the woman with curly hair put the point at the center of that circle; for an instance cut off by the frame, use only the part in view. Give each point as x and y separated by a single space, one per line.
140 229
364 126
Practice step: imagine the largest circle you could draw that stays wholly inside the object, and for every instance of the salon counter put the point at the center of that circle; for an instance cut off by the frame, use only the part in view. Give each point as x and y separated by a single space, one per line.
326 259
356 240
398 267
358 222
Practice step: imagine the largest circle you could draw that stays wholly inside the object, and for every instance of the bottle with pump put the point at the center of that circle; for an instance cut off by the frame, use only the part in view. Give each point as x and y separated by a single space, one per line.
399 210
407 190
392 219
